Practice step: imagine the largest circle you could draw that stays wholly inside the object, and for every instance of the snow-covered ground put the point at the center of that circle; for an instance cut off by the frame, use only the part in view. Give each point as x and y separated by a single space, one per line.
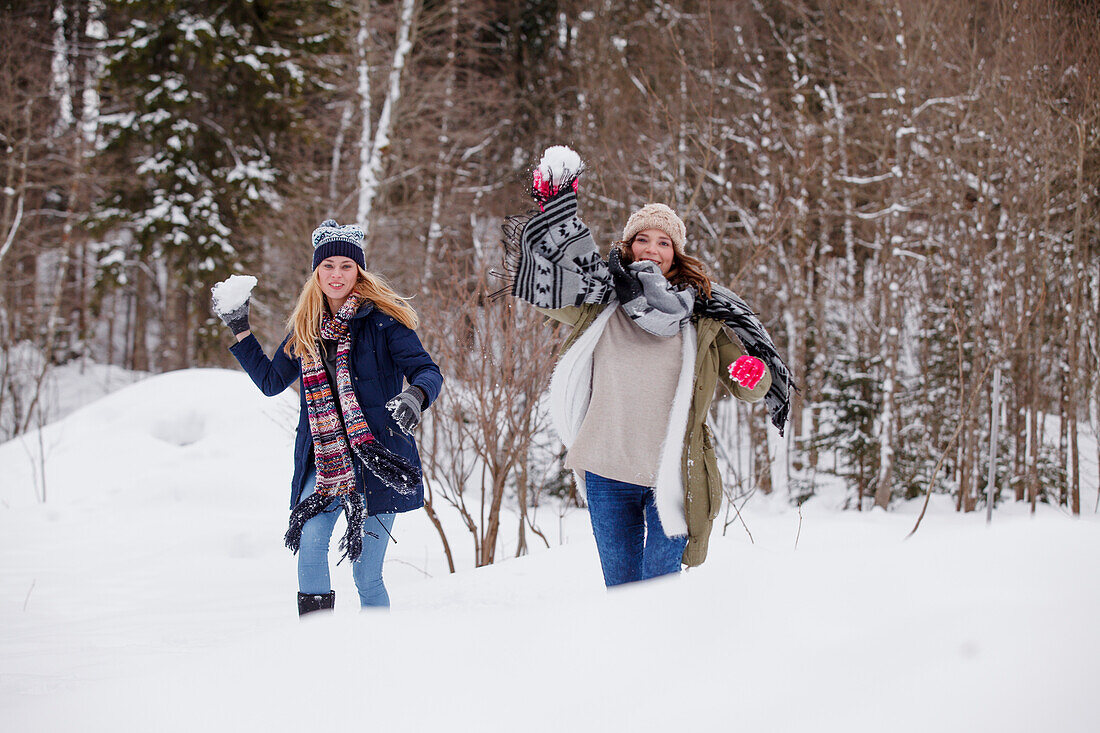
151 592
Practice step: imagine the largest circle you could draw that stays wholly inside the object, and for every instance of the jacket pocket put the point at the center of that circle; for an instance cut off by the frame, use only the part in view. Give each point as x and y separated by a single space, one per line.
402 438
388 434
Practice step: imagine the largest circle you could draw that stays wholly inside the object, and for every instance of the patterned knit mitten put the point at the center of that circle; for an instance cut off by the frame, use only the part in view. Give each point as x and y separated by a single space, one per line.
559 169
406 408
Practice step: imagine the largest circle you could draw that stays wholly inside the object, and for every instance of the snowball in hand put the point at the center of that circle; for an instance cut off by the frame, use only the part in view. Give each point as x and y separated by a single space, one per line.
232 293
559 163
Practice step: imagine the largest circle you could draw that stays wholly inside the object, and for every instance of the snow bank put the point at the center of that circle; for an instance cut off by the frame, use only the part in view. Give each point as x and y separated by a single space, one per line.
161 431
152 592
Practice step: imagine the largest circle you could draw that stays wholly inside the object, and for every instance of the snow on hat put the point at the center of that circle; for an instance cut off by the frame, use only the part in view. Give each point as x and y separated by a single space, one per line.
657 216
332 240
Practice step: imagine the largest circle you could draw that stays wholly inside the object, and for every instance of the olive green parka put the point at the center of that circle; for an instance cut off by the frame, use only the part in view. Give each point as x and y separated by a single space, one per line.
715 351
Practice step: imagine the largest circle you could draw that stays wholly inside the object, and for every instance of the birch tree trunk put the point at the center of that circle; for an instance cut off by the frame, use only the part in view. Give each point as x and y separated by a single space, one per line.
1033 435
1074 317
346 114
888 349
139 351
1017 398
92 61
435 228
890 321
373 149
1063 428
366 135
12 228
1096 368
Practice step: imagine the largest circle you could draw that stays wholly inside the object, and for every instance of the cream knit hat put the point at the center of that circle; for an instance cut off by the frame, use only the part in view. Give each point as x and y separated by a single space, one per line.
657 216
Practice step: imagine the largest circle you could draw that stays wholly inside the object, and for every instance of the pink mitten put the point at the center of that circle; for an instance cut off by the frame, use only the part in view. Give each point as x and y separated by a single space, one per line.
747 371
540 186
541 189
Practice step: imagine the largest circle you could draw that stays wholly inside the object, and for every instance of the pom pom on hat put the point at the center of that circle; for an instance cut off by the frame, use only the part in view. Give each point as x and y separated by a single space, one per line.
332 240
657 216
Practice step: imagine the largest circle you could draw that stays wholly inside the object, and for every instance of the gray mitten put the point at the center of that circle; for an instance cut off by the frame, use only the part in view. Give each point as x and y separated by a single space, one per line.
406 408
237 320
230 301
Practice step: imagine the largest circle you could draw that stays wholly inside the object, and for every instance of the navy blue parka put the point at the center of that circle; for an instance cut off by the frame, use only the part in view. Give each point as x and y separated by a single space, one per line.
383 352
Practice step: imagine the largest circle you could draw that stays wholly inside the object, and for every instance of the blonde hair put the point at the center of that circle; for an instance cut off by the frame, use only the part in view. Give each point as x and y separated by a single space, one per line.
304 323
685 270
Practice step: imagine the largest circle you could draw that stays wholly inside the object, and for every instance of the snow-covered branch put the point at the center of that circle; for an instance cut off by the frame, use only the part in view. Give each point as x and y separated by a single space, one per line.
14 228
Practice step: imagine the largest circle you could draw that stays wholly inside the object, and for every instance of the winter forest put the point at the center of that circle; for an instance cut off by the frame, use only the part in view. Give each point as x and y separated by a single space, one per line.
906 191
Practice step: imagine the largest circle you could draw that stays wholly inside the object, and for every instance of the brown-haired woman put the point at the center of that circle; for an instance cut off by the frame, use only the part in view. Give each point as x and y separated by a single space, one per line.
633 385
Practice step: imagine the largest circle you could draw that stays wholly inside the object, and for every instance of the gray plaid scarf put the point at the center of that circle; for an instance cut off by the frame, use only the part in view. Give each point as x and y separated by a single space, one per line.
552 262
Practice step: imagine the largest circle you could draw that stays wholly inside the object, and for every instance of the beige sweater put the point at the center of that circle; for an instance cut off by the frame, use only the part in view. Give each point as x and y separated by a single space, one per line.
634 377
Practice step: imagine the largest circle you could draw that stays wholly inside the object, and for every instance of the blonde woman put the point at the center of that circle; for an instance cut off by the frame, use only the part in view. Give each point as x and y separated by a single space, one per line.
353 348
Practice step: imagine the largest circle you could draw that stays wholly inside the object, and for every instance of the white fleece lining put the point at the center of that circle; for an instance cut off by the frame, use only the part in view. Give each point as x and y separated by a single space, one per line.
571 382
571 392
669 490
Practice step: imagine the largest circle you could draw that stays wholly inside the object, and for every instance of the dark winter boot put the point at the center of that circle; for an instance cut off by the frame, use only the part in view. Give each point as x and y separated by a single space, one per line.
310 602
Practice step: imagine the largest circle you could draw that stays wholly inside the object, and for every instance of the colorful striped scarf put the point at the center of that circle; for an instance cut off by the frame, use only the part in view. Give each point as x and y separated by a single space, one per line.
340 434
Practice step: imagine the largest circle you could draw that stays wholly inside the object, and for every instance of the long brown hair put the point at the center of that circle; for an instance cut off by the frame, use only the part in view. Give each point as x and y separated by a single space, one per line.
685 270
304 323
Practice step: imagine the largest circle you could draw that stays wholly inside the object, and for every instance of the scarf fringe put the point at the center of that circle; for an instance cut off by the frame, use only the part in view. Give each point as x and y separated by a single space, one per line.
391 469
355 511
306 509
511 236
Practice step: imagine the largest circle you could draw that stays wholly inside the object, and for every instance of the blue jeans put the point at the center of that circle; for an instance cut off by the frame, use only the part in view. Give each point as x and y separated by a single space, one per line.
631 542
313 576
